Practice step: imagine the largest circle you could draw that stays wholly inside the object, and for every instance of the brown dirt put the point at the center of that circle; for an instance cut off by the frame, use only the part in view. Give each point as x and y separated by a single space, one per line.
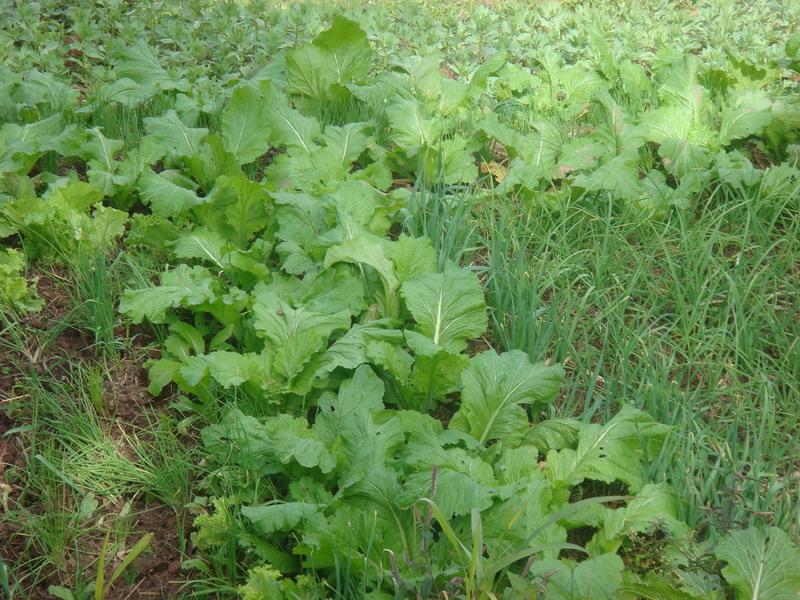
481 344
444 412
759 158
264 161
401 183
447 72
12 457
126 392
157 571
67 165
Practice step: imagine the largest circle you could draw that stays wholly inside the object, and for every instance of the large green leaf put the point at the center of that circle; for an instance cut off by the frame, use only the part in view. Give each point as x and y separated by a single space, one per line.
619 175
352 422
411 129
293 440
596 578
347 536
369 250
103 166
246 207
302 220
412 256
654 508
792 48
455 480
348 47
281 516
749 115
164 197
199 243
289 127
306 73
338 55
21 145
354 348
658 587
453 162
264 447
681 87
433 377
141 64
245 125
361 394
107 226
170 134
448 307
231 368
681 126
38 88
682 157
516 522
762 564
496 389
342 146
331 290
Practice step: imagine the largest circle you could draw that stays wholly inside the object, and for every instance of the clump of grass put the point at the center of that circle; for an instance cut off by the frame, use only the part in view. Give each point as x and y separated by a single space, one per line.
83 472
443 214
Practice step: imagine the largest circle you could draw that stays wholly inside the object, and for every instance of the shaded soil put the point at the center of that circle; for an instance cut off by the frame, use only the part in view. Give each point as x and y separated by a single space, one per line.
158 569
126 392
12 457
44 343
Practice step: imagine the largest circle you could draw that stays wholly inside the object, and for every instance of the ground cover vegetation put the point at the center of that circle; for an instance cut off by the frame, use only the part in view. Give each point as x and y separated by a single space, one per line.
400 300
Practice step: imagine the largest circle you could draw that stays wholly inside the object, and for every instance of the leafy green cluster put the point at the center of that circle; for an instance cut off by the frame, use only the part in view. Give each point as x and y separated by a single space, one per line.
274 194
295 292
15 293
654 135
655 140
69 216
355 478
239 35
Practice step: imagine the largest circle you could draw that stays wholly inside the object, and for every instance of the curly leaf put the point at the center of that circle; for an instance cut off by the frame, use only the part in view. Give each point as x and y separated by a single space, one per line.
183 286
231 368
609 452
14 291
294 334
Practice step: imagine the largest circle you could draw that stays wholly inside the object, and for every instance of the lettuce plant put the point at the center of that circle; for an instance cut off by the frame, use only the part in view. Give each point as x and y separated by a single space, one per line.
15 292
